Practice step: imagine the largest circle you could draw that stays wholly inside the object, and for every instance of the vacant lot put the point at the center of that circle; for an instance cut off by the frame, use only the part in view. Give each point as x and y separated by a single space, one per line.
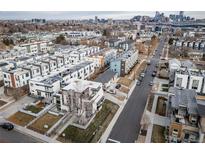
2 103
158 135
94 130
124 90
44 123
125 81
161 106
21 119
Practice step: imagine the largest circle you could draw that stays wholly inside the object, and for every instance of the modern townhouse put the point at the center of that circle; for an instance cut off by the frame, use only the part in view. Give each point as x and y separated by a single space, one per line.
181 78
51 62
124 62
64 75
76 57
44 86
33 47
190 79
44 67
34 70
126 45
59 60
81 98
16 77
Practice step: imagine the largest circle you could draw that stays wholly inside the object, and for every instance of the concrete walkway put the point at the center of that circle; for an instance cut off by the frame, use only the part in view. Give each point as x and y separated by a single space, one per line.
14 107
155 119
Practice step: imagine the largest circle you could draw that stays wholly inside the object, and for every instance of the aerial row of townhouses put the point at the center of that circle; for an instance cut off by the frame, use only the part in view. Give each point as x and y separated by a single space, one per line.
62 77
186 102
200 45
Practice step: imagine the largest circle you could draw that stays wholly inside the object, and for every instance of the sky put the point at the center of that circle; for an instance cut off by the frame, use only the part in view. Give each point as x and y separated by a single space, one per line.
60 15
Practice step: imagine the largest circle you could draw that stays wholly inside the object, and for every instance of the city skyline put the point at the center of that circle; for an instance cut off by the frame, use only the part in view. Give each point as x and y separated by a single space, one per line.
62 15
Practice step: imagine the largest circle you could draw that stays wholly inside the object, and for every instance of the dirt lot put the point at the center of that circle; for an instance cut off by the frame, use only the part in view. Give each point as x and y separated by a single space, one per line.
161 106
95 129
47 119
158 135
125 81
124 90
21 119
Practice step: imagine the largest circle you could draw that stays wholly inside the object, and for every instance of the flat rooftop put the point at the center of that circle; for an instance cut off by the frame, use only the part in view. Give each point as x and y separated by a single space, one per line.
79 85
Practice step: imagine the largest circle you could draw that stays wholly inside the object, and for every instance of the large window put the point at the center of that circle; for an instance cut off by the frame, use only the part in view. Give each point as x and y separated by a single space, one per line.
195 84
179 82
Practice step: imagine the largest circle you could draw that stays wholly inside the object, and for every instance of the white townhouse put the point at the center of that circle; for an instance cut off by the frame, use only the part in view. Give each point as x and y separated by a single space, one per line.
44 86
81 98
16 77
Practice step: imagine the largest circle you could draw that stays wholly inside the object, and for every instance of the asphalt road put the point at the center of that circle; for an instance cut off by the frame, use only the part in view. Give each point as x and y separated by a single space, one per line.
15 137
127 126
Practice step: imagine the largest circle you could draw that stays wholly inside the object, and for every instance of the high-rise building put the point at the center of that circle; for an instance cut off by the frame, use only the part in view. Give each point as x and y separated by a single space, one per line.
96 19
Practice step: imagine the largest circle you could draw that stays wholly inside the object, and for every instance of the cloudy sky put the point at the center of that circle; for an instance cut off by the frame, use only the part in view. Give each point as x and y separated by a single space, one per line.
86 14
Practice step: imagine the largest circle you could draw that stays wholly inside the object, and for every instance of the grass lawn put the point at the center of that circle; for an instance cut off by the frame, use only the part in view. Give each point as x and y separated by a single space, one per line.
33 109
161 106
150 102
47 119
21 119
94 130
2 103
158 134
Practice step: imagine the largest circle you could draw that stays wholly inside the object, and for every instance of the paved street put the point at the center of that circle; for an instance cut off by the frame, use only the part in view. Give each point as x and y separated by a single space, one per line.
15 137
127 127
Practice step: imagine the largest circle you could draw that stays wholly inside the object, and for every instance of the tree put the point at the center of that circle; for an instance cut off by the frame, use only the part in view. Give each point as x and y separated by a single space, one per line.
8 41
170 41
61 40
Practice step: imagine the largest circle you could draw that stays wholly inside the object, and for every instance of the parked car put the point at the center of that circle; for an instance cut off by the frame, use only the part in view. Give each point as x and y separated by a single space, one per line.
148 62
151 83
7 126
142 74
138 83
140 79
153 74
118 86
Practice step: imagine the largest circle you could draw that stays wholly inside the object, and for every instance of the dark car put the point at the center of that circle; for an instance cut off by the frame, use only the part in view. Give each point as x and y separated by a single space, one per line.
118 86
138 83
7 126
153 74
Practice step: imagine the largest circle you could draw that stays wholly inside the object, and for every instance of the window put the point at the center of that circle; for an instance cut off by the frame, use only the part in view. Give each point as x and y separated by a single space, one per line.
195 84
179 82
27 74
4 75
175 132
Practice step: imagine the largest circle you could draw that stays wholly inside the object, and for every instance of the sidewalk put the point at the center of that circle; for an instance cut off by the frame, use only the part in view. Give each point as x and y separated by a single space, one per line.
152 115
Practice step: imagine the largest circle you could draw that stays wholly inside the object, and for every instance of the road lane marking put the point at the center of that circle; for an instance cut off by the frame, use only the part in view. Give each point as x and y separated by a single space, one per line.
115 141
